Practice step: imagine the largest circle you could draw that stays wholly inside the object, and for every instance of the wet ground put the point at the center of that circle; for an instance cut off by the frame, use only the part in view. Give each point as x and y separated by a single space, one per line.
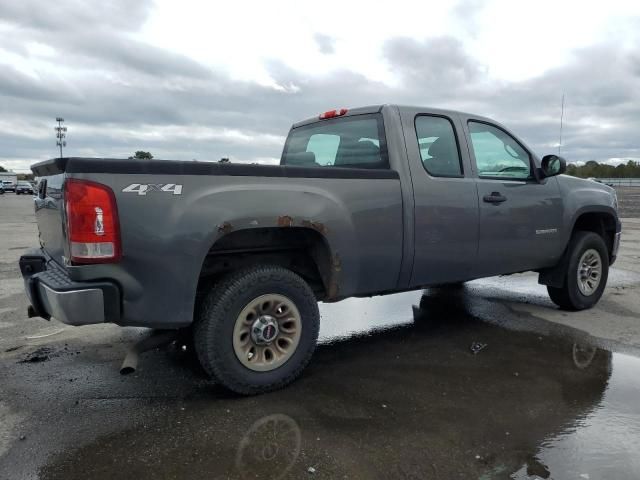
394 391
629 198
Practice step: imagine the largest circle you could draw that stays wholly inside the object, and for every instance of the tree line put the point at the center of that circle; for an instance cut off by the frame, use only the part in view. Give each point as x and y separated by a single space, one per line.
631 169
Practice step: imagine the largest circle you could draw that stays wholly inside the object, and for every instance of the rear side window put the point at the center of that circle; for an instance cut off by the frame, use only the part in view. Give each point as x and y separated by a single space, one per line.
438 146
348 142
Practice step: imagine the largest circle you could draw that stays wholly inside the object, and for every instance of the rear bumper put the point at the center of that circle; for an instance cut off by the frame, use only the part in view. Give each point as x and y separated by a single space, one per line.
53 294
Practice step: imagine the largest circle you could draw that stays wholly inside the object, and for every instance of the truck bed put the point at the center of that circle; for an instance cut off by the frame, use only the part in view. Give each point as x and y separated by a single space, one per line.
168 234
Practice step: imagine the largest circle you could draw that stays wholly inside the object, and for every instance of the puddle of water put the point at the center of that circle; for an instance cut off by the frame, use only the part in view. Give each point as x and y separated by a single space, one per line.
394 391
356 316
606 442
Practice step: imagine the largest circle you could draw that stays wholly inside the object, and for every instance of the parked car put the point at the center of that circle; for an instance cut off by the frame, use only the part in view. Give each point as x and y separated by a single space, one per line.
23 187
365 202
1 188
8 186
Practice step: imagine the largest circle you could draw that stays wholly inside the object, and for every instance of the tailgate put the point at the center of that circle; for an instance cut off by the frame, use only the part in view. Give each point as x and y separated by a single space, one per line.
49 215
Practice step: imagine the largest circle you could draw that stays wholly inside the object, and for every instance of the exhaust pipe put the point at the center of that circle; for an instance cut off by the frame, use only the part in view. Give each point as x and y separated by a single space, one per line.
130 363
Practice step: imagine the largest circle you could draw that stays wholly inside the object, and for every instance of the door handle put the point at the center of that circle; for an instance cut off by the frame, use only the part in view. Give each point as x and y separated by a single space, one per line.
495 197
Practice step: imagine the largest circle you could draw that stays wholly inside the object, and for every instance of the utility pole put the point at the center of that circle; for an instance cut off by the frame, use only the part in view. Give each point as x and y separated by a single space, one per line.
61 133
561 119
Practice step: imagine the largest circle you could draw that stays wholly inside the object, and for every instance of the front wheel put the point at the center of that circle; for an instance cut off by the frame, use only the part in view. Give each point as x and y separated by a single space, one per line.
257 329
586 275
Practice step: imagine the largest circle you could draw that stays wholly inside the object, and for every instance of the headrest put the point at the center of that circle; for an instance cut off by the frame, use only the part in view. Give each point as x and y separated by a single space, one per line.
441 150
355 152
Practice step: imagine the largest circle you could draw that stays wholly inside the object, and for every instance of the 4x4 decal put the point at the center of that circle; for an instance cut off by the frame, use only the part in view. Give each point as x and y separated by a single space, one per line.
144 188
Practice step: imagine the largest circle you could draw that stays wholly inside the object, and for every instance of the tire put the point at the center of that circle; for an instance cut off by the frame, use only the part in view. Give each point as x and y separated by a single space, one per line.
571 296
227 310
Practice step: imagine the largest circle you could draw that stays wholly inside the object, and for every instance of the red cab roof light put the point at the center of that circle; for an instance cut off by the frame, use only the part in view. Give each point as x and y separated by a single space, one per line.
333 113
93 228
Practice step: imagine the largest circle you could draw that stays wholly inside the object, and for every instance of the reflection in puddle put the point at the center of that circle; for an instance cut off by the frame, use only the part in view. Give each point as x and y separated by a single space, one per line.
272 444
357 315
605 443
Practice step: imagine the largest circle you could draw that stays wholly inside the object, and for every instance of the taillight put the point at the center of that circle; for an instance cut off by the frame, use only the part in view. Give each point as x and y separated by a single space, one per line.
93 228
333 113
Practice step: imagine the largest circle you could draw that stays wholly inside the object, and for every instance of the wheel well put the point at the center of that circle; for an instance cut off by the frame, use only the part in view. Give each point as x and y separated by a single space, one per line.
303 250
601 223
604 224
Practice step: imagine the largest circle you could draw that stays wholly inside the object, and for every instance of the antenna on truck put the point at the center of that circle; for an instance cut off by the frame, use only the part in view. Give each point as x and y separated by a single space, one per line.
561 119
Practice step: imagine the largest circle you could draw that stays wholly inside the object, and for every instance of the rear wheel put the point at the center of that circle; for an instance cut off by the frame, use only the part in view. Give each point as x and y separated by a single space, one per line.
257 329
586 275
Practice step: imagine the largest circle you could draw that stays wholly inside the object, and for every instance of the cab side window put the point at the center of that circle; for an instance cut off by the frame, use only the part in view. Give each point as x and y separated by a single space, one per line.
348 142
438 146
498 154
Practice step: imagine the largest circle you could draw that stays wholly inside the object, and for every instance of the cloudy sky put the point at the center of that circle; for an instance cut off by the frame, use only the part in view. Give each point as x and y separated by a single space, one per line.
193 79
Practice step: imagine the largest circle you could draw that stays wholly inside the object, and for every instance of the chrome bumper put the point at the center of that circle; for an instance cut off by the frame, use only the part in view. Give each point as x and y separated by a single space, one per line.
73 307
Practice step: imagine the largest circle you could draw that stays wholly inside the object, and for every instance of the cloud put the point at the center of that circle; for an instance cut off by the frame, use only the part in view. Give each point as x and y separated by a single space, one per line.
467 11
118 93
326 44
438 63
602 104
76 15
16 84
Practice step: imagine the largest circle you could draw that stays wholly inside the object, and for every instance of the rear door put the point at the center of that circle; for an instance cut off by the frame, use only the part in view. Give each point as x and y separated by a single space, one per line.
520 217
368 234
446 201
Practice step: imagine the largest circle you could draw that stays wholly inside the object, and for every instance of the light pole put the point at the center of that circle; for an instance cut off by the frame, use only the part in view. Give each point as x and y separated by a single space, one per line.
60 134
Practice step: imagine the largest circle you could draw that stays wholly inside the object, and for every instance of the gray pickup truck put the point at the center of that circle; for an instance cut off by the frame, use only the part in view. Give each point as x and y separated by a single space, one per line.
366 201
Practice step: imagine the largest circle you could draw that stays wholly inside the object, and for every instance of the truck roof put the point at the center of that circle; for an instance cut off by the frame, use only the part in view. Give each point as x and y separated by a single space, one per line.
378 108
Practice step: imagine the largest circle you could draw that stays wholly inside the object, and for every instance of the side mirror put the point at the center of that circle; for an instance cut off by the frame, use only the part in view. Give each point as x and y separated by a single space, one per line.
553 165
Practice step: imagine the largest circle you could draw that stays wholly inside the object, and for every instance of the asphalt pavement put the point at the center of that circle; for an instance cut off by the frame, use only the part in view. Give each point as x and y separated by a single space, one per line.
486 381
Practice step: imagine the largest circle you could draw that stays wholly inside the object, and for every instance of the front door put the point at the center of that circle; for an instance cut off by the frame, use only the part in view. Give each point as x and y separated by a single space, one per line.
520 217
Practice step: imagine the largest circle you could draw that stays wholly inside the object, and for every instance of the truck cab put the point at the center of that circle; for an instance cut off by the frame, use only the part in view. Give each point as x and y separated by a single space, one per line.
477 200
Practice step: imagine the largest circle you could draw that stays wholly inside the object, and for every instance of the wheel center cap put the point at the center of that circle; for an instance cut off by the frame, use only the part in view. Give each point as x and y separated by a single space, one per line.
264 330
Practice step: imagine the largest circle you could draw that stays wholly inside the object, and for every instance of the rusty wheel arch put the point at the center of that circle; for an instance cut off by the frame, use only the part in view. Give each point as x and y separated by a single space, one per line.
303 249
